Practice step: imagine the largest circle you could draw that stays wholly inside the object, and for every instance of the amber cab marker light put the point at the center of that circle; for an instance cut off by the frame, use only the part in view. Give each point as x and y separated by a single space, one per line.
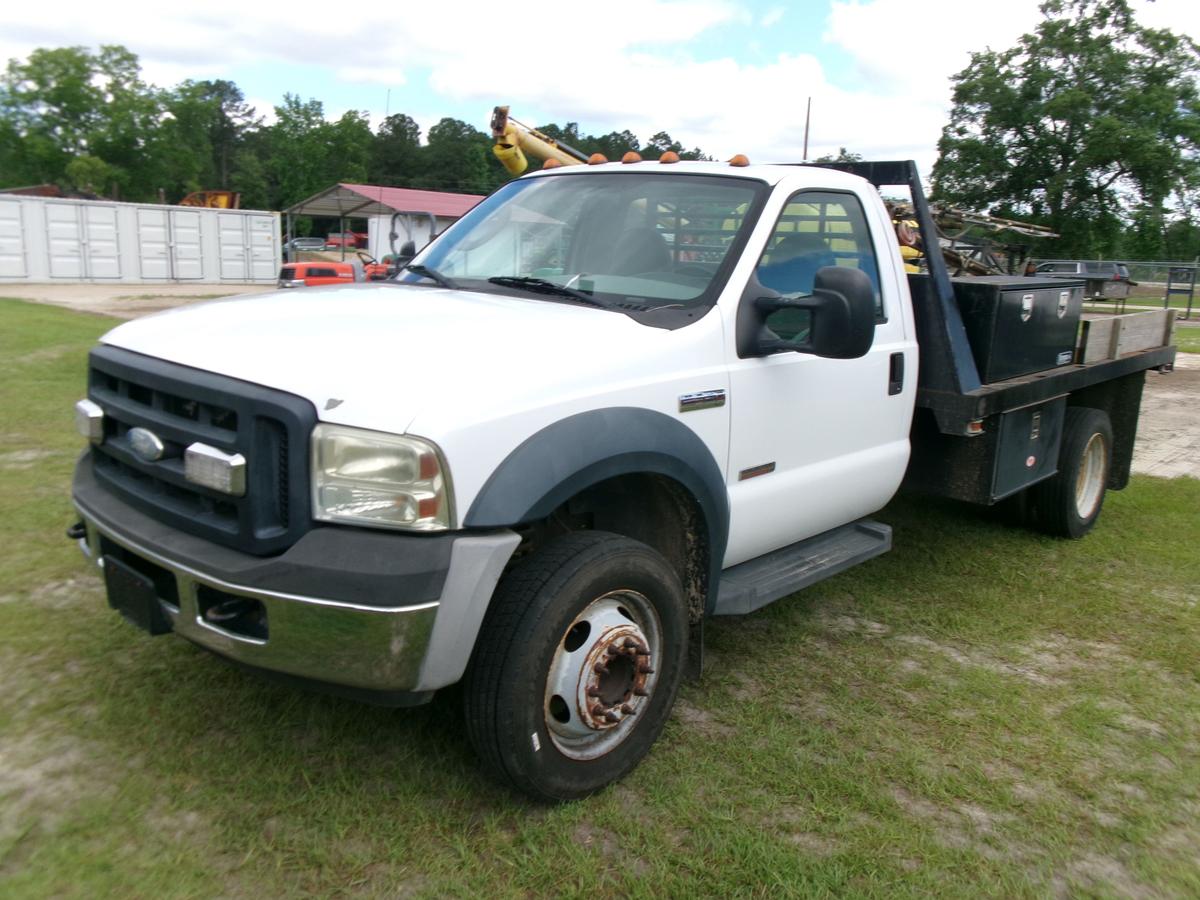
631 156
597 159
739 160
551 164
669 157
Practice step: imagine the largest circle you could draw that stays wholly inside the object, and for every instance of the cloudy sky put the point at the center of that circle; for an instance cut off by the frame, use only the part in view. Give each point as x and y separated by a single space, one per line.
728 76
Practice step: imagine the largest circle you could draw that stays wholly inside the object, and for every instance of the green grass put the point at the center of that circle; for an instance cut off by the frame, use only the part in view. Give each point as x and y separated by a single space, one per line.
1187 339
981 711
1135 304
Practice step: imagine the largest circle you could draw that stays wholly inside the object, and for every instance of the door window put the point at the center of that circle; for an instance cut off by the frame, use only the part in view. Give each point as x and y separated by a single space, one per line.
816 229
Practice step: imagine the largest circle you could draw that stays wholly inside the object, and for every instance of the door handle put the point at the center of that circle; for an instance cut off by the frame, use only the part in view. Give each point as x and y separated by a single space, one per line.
896 374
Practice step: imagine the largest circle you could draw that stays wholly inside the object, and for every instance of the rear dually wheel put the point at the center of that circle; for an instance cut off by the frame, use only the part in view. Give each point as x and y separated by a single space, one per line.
1069 503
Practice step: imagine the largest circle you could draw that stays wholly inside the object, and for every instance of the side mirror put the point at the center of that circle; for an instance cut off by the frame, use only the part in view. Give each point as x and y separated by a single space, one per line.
837 321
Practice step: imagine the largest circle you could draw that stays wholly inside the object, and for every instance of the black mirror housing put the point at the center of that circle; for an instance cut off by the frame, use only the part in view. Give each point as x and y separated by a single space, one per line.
842 306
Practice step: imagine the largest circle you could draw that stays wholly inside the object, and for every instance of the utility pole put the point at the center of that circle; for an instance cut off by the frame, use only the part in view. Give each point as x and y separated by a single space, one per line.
807 117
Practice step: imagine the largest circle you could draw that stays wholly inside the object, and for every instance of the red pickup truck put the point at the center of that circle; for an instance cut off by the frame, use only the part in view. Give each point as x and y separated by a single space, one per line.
314 274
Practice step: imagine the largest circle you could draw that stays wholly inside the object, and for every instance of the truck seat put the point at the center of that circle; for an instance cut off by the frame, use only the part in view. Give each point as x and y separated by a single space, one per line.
640 250
792 264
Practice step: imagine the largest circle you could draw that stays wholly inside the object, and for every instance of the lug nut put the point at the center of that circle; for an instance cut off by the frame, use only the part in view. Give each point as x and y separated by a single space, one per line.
612 716
641 692
645 669
628 710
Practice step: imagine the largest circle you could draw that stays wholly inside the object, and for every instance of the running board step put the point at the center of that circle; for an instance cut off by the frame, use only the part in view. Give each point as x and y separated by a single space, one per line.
753 584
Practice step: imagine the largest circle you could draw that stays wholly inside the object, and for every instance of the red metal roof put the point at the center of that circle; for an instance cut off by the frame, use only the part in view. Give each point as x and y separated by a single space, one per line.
361 200
439 203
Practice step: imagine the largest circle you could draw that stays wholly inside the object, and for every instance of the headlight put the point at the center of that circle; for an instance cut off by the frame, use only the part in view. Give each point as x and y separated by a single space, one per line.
371 478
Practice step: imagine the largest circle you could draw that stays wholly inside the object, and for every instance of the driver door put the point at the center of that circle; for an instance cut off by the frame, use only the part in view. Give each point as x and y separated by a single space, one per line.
816 443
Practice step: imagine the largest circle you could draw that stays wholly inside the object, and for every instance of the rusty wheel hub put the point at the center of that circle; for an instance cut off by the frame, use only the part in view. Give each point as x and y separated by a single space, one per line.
602 674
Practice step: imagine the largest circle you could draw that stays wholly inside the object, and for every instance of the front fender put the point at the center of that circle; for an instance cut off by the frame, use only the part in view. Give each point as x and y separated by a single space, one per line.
565 458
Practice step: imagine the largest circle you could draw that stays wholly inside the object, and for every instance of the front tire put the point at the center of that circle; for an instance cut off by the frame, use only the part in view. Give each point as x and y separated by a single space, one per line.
577 665
1068 504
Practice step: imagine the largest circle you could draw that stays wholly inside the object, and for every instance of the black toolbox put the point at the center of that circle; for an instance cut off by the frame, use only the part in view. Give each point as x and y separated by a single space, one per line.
1018 326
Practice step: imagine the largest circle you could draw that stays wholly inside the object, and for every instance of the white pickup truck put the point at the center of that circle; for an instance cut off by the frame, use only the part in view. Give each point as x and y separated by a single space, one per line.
609 402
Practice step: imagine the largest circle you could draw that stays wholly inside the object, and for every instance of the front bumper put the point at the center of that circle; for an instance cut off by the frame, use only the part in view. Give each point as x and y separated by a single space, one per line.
370 611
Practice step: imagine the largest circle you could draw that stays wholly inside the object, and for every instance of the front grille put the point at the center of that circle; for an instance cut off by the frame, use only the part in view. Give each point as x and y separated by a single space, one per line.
182 406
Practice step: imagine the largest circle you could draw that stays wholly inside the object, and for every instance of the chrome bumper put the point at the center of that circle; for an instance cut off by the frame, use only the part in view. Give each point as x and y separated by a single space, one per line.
406 648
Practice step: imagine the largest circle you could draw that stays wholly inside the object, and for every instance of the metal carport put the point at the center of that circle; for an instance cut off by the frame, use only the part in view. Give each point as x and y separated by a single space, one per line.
383 207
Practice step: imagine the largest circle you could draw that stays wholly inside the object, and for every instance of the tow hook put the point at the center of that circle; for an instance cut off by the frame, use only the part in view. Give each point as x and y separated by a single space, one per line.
77 532
229 610
241 616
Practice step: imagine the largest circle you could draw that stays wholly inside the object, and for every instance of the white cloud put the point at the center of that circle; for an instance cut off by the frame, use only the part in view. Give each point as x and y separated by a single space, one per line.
906 49
602 69
264 109
227 32
389 76
1181 16
772 16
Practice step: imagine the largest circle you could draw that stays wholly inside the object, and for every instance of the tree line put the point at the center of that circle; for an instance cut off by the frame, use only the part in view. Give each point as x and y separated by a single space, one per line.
1089 125
88 122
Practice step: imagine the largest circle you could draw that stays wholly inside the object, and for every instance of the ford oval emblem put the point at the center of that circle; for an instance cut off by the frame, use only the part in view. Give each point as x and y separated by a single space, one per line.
146 444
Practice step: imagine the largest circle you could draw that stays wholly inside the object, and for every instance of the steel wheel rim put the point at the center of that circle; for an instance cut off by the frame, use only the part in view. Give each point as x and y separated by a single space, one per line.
602 675
1089 484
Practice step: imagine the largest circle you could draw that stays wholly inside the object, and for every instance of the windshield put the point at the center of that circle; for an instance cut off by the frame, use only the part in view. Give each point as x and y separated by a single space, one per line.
655 246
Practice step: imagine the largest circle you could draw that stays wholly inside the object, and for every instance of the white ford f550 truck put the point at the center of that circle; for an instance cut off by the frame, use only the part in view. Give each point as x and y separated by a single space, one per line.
611 401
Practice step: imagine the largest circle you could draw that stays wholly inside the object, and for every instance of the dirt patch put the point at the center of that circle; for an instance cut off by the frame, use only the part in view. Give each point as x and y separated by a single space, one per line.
127 301
964 826
56 594
853 625
1046 662
1096 873
593 837
701 721
747 688
1140 726
24 459
177 825
44 355
1023 787
40 781
812 844
1177 597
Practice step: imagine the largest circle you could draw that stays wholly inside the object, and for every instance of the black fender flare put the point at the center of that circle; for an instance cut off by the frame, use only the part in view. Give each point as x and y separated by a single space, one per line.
570 455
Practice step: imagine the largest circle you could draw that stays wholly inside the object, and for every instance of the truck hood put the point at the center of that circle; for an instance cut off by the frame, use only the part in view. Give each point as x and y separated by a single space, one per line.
376 355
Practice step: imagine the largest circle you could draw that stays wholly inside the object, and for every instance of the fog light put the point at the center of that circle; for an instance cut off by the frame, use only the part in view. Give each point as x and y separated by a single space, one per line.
89 421
212 468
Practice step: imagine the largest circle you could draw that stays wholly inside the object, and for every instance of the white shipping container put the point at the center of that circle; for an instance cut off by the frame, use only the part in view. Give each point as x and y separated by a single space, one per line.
52 240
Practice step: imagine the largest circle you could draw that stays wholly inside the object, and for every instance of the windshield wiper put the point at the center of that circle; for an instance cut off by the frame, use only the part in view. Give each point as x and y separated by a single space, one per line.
431 274
542 286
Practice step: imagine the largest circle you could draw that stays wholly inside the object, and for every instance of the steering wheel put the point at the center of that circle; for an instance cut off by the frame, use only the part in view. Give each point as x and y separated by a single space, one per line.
366 258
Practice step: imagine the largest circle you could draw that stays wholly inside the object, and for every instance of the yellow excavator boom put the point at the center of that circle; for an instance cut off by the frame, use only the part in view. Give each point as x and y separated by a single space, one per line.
515 141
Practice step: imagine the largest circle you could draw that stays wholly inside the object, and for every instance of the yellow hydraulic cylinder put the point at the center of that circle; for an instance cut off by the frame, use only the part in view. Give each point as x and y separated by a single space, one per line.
514 141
